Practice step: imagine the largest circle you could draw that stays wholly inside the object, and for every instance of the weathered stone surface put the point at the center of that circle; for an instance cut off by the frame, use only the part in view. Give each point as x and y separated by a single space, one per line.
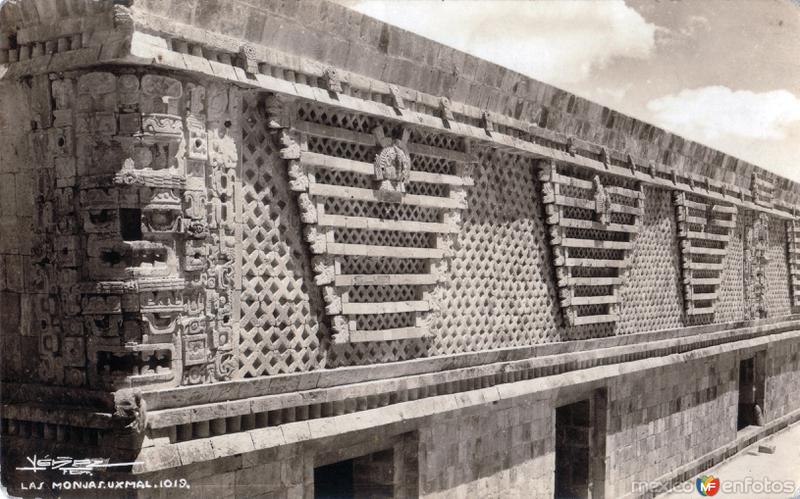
298 241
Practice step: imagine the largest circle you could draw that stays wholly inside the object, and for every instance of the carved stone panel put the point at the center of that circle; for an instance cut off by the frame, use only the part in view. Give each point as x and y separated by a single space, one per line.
380 224
756 257
705 228
593 224
143 252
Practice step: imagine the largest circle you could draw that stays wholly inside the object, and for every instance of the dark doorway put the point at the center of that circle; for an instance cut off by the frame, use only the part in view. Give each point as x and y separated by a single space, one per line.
751 392
573 442
374 475
581 448
334 481
371 476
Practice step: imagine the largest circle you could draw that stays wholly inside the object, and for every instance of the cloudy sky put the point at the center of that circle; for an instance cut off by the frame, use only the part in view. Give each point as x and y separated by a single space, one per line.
725 73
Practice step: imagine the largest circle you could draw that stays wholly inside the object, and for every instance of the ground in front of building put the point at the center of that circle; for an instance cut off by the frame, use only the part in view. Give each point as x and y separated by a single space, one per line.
753 474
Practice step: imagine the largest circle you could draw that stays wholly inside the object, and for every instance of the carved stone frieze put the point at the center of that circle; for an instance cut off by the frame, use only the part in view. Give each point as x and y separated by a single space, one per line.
397 98
118 192
279 111
602 201
247 56
392 162
756 244
705 229
337 242
445 111
332 80
592 227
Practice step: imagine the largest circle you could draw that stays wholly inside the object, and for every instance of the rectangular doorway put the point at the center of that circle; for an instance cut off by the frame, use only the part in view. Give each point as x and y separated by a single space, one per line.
334 481
751 391
378 468
367 477
580 448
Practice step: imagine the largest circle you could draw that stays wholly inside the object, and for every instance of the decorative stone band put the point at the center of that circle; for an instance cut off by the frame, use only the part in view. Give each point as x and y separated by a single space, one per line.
592 229
195 412
704 230
285 383
306 81
80 38
16 423
312 403
405 416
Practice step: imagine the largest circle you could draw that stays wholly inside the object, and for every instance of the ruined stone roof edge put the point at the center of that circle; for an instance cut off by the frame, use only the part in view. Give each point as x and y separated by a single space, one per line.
317 29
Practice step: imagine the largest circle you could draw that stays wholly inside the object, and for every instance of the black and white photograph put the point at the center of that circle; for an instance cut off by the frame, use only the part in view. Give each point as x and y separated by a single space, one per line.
373 249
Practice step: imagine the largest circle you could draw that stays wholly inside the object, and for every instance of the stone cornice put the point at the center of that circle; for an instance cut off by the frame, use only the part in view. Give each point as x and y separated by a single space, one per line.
404 415
424 377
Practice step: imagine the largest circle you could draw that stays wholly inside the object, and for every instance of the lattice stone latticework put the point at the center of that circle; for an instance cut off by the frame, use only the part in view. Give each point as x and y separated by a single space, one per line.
593 222
381 204
279 331
704 230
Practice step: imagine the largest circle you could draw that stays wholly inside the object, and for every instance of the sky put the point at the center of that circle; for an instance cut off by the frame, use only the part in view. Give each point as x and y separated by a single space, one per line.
725 73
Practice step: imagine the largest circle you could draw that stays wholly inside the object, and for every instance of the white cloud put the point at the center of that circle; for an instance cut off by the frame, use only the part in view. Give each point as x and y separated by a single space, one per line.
555 41
695 25
718 112
610 94
687 34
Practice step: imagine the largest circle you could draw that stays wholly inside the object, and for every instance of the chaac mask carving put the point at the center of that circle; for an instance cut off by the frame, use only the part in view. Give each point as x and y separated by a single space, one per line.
138 224
392 163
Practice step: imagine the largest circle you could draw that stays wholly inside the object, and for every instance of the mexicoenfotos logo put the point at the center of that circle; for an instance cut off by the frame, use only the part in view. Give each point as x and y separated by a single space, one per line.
707 485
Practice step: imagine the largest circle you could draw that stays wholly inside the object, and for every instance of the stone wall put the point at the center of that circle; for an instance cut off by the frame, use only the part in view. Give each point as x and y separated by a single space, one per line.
661 418
239 256
18 199
783 374
501 450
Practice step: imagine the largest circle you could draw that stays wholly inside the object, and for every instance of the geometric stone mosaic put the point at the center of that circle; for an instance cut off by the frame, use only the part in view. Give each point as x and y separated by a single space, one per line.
593 224
381 208
704 229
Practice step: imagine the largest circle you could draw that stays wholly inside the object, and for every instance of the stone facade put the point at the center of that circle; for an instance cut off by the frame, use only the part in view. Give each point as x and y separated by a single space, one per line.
249 246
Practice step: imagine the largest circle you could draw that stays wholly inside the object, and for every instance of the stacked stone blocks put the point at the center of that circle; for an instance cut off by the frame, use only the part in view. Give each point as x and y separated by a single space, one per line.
211 211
